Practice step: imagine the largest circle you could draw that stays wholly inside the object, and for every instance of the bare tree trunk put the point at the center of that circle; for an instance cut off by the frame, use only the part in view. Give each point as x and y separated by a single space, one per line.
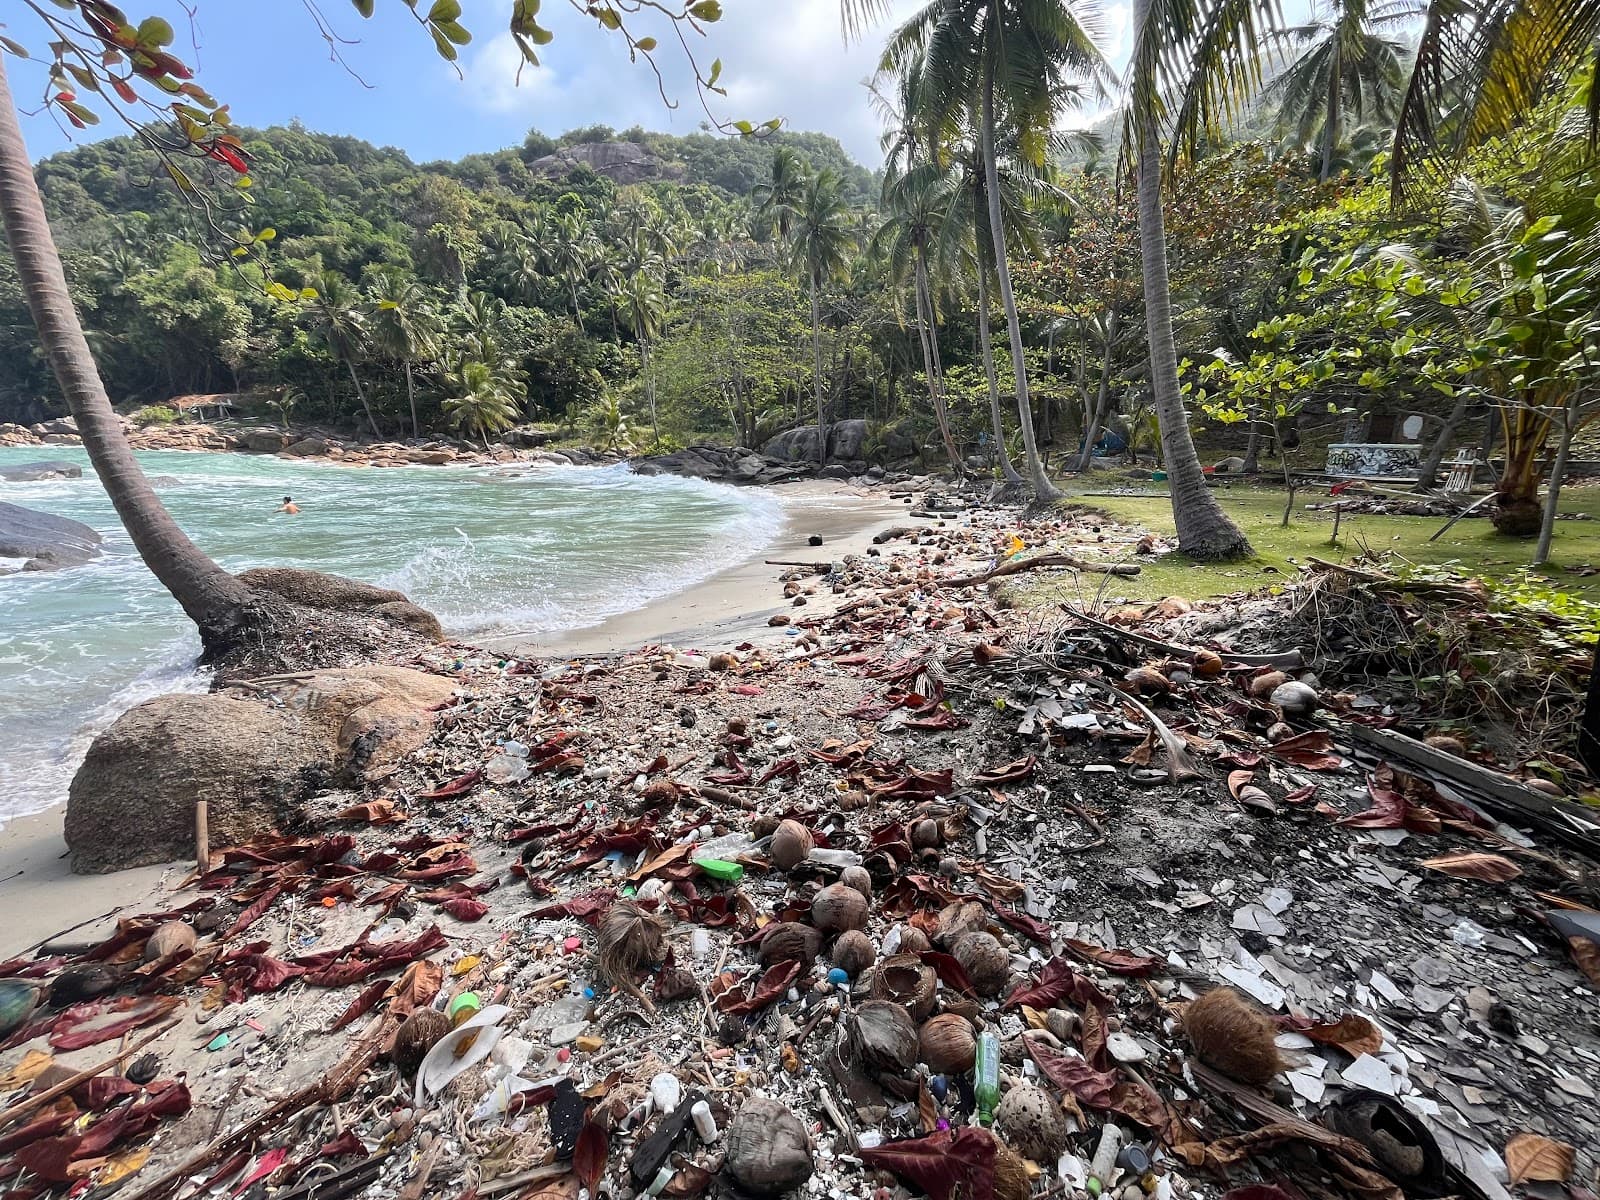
1043 489
649 387
930 356
1252 447
362 393
986 344
1091 433
1558 471
1428 469
210 596
1204 530
411 395
816 371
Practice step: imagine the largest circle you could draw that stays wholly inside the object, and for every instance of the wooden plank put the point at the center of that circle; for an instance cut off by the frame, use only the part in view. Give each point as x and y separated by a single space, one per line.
1500 793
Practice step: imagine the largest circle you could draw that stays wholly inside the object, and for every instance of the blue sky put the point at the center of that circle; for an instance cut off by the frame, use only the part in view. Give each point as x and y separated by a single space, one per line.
783 58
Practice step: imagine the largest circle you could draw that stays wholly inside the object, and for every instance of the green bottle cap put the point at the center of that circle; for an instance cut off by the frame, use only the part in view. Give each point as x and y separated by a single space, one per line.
721 868
466 1003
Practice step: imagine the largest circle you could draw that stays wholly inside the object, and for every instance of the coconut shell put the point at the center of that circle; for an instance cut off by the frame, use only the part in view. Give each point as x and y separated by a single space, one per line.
854 952
417 1034
789 941
169 939
948 1044
905 980
858 878
837 908
630 939
1227 1033
1296 699
1207 664
1030 1121
956 919
885 1036
913 941
1011 1180
769 1151
1147 681
925 833
791 844
984 960
1261 686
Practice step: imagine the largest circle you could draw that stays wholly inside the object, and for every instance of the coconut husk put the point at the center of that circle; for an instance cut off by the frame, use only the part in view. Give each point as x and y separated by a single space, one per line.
416 1036
789 941
905 980
1233 1037
630 939
959 918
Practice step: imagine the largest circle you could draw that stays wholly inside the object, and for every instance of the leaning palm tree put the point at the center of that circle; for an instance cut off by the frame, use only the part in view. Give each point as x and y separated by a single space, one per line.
1005 60
337 313
1187 50
1342 68
645 302
572 246
404 328
917 207
213 599
821 242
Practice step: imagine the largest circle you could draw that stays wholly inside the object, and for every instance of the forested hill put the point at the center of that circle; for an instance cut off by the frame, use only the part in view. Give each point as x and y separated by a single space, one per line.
555 226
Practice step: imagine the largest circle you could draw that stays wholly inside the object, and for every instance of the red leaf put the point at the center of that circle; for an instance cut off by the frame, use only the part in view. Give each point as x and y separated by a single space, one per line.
252 914
1313 751
1011 772
361 1005
786 768
1071 1074
950 972
265 1165
728 991
89 1030
579 908
1352 1033
1259 1191
1058 982
343 1146
589 1159
946 1164
1024 924
459 786
465 909
1391 810
1118 962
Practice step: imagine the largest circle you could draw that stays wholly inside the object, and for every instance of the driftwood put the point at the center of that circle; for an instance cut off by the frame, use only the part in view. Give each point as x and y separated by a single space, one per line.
894 531
21 1109
1499 793
1016 566
1180 766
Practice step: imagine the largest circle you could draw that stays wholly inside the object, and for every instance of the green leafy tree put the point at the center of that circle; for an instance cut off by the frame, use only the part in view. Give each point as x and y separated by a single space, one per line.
645 302
480 399
821 241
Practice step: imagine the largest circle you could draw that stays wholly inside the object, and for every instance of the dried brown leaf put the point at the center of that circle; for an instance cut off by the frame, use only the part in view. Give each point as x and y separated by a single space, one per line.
1491 868
1533 1157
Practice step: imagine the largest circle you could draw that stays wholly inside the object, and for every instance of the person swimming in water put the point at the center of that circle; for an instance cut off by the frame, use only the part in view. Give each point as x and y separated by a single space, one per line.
289 506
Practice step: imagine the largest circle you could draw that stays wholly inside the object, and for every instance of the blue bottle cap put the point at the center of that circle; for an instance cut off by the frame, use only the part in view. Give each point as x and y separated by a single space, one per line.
838 975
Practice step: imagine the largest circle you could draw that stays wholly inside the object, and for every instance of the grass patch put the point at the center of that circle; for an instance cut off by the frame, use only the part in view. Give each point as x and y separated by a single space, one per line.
1472 545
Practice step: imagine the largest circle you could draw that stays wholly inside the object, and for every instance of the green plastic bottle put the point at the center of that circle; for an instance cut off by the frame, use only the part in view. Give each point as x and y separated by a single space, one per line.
986 1076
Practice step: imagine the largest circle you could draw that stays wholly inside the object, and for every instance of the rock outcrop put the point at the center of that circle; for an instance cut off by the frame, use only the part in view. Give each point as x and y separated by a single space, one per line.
32 472
252 754
335 593
623 162
848 444
44 541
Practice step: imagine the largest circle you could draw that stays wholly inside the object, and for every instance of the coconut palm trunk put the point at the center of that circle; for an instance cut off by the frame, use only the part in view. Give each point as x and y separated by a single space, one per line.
1330 125
929 333
1043 489
361 393
986 343
816 371
1091 432
212 598
1204 530
411 396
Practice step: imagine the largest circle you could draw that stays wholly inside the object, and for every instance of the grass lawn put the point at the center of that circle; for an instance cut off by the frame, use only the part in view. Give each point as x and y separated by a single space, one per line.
1472 544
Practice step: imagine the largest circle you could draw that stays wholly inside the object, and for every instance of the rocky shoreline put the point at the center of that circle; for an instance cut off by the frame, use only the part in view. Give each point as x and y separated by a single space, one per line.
789 456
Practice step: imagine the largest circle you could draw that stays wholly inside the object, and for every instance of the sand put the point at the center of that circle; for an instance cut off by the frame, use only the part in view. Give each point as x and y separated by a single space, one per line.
40 897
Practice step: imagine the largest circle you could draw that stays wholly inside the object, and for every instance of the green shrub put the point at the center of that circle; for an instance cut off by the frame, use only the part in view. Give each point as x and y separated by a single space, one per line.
155 414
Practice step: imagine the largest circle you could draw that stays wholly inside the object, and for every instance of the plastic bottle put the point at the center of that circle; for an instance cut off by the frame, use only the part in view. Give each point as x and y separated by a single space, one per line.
834 858
704 1123
986 1076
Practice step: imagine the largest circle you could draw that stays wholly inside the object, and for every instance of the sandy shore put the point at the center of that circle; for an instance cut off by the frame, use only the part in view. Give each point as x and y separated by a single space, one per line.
734 605
41 897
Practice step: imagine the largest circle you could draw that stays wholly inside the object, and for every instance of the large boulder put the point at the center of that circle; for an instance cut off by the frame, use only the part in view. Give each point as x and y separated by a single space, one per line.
60 425
44 541
846 440
32 472
253 754
793 445
335 593
309 447
263 441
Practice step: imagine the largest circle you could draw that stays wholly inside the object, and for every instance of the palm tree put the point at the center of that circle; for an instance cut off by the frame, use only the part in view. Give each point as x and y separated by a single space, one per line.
821 242
1188 49
645 301
983 56
481 399
343 326
404 328
211 597
778 199
1344 67
570 248
917 209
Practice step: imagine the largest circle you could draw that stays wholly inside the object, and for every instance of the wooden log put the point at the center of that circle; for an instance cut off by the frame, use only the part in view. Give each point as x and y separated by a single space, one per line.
21 1109
1016 566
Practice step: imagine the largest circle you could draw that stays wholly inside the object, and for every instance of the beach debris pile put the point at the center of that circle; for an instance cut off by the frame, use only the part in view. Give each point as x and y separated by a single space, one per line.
915 896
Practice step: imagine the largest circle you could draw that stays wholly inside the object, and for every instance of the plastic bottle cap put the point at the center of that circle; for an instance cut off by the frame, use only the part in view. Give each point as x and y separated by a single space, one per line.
463 1006
838 975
